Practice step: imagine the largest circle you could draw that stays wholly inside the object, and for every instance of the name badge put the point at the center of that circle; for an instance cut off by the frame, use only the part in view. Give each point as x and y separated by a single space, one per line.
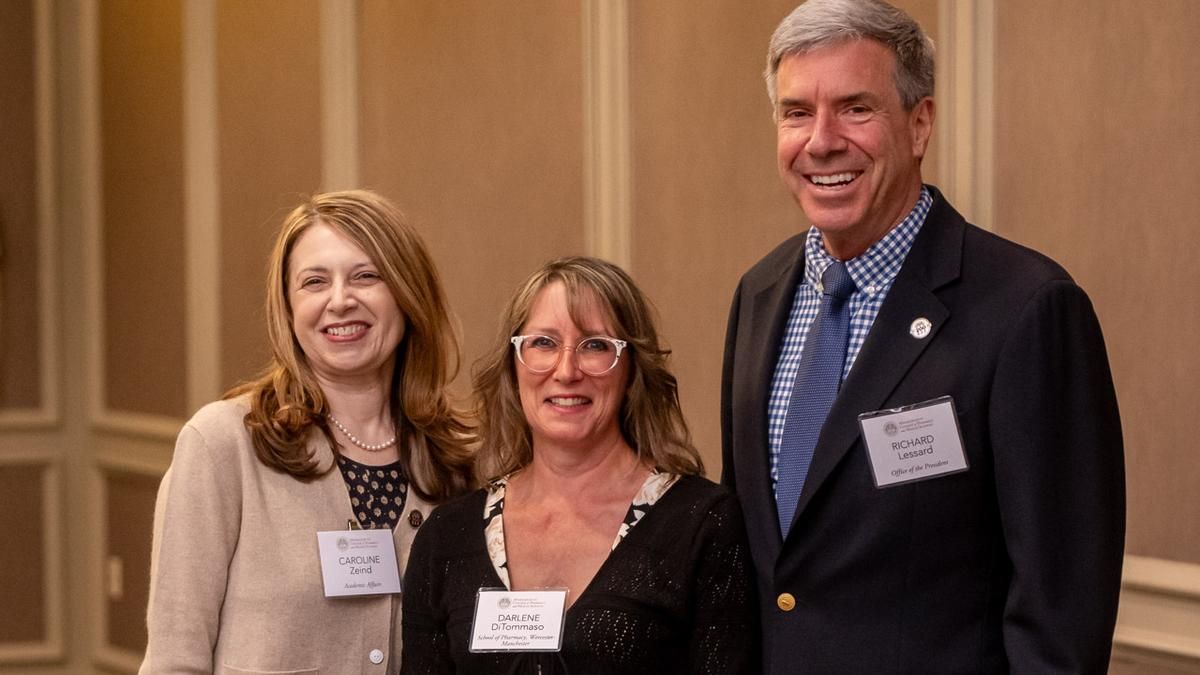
914 442
358 562
518 621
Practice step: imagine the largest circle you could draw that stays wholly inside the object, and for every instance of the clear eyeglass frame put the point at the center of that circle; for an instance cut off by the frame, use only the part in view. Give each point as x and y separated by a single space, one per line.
618 347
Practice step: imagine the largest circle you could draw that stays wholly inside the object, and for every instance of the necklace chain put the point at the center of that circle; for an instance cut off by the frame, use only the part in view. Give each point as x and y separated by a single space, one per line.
369 447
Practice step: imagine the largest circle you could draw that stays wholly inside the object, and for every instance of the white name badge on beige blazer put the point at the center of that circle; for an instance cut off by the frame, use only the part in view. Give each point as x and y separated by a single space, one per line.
358 562
914 442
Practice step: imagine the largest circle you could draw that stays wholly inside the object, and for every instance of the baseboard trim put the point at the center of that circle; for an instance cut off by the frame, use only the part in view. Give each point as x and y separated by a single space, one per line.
1159 620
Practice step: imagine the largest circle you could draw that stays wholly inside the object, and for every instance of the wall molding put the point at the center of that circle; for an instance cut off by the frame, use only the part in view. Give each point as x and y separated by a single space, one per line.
111 657
965 101
108 463
202 201
1159 620
607 155
339 95
53 648
91 206
46 414
138 425
200 214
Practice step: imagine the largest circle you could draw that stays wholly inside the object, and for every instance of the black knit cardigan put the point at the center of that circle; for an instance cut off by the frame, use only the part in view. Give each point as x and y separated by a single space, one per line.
675 596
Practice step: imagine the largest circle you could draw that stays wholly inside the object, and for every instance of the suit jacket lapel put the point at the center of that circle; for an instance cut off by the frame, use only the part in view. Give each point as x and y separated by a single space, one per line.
890 350
769 313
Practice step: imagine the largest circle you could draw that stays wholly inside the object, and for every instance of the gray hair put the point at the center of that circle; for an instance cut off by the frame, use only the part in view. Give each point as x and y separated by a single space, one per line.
820 23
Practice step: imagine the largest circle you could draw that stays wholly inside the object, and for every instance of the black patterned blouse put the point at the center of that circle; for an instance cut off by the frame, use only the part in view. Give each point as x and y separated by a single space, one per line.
377 493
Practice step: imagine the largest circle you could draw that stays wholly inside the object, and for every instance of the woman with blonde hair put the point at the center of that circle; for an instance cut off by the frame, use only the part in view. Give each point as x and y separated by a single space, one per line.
594 497
349 428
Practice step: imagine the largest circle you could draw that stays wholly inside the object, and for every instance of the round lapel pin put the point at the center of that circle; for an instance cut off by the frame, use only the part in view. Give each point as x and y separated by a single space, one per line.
920 328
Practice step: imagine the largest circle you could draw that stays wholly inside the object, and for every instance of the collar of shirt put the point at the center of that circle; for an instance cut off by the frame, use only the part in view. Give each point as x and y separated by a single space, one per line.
874 270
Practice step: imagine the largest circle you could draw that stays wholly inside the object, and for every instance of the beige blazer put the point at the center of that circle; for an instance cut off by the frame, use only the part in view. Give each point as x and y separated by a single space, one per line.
235 577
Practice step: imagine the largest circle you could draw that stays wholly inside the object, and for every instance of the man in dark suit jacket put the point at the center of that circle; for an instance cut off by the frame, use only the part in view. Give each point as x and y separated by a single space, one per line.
1005 553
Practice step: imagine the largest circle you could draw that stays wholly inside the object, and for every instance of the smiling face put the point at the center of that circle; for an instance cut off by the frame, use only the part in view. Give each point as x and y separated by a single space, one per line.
846 147
566 407
343 314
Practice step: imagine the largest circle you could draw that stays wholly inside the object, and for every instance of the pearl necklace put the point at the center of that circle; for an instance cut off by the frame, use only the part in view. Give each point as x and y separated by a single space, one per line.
369 447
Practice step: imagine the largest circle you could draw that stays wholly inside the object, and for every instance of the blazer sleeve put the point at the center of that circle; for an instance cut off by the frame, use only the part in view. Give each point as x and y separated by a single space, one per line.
725 620
196 525
1060 481
728 475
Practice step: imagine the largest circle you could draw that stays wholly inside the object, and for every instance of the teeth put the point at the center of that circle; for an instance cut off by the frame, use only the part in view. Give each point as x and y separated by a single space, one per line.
345 330
568 400
835 179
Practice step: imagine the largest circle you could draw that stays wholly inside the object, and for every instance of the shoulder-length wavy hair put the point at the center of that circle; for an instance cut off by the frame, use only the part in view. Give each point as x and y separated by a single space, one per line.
286 401
651 420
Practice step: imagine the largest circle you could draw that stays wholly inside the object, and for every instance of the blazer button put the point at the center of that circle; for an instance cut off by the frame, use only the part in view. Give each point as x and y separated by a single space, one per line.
786 602
415 518
376 656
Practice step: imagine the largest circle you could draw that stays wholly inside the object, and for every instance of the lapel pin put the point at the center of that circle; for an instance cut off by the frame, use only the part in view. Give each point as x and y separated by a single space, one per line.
920 328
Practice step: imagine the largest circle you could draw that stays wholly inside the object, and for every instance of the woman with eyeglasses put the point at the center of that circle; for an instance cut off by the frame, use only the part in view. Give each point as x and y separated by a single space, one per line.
596 546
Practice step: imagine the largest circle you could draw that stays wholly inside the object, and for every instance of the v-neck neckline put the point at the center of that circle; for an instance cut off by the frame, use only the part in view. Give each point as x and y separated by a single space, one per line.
656 485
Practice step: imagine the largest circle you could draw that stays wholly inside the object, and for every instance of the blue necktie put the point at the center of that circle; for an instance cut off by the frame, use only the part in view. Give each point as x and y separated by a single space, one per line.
816 386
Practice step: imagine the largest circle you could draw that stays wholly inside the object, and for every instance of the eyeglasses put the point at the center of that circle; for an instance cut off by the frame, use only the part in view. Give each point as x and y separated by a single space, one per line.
594 355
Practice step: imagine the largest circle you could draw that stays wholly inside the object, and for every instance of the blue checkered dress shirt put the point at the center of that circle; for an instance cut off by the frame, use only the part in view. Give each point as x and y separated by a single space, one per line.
873 273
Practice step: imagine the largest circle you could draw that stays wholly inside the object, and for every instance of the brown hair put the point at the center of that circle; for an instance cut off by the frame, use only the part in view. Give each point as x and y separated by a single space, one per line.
286 401
651 420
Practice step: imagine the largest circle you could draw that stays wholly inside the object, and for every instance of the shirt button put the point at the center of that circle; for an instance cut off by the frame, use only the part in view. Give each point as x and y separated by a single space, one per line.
376 656
415 518
786 602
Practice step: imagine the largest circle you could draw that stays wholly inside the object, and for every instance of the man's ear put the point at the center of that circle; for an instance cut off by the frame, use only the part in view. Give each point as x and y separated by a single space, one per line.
920 125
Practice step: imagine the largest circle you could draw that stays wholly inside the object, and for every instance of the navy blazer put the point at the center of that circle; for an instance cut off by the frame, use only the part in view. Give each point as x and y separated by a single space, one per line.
1013 565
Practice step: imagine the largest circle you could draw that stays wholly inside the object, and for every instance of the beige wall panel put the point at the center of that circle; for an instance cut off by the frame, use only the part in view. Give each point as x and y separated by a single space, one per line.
269 134
708 202
707 199
472 121
142 146
19 320
130 514
926 14
1095 166
22 582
